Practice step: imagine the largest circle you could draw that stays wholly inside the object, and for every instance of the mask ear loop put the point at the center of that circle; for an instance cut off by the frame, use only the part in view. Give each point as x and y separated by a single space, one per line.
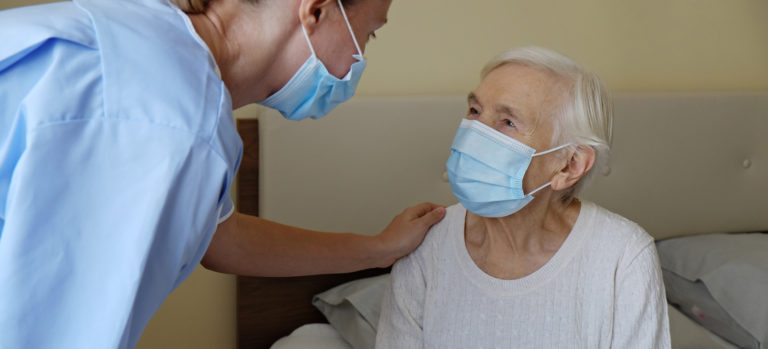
349 27
306 36
539 188
543 153
351 32
552 150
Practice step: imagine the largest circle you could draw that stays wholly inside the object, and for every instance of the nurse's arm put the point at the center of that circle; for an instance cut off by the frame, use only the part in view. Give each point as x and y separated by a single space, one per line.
252 246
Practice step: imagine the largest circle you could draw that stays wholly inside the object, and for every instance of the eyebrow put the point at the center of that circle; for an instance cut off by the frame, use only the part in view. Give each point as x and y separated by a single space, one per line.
506 109
502 108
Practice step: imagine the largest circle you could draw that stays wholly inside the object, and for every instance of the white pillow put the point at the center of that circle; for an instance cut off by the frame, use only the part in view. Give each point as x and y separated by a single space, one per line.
733 267
353 309
315 336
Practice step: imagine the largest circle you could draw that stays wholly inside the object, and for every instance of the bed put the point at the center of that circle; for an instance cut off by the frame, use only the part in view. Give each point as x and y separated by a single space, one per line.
684 164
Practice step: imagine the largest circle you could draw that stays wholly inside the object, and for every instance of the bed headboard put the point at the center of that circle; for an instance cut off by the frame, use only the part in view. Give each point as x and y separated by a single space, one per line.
682 163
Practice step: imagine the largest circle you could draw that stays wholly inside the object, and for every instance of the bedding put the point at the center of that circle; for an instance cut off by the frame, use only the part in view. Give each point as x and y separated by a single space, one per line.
315 336
353 309
687 334
694 300
734 270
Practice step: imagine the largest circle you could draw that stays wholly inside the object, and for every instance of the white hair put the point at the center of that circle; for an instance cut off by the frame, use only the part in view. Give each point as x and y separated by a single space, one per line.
586 114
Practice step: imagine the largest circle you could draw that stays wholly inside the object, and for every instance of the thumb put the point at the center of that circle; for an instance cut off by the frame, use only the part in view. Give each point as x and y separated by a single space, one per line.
432 217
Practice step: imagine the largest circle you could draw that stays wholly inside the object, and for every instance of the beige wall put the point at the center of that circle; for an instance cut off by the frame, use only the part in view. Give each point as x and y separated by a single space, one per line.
438 47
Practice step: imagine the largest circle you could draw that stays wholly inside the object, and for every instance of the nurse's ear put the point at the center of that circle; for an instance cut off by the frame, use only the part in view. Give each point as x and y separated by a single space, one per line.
313 12
579 162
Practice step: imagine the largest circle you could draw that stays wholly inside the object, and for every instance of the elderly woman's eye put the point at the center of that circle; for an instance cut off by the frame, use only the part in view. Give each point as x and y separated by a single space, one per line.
509 123
473 111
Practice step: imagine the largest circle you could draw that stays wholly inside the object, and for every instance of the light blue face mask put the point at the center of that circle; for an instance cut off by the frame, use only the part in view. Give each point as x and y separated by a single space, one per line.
486 170
313 92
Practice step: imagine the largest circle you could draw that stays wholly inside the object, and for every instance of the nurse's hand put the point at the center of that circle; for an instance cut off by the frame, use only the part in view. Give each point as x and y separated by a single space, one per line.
407 230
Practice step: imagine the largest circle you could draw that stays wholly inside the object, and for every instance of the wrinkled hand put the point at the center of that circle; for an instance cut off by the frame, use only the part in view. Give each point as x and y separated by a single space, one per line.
407 230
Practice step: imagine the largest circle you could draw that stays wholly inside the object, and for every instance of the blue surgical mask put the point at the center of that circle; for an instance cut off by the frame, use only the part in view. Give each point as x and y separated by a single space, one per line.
313 92
486 170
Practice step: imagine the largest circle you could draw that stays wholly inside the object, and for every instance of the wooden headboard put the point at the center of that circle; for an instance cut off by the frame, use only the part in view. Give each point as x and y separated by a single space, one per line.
683 163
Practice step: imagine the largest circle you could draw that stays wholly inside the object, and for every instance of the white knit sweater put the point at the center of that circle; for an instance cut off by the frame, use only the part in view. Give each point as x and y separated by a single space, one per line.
601 289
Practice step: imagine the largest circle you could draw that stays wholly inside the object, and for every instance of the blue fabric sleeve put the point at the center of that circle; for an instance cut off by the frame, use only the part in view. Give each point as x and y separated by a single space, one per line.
104 218
227 209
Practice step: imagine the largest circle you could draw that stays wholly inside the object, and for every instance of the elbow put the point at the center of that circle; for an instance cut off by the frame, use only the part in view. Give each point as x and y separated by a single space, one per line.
209 262
212 261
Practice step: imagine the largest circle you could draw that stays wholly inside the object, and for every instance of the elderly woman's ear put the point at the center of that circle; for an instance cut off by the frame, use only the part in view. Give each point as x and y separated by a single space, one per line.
578 164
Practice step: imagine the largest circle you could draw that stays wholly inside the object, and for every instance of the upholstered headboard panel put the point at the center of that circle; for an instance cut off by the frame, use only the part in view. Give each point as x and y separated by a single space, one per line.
689 164
682 163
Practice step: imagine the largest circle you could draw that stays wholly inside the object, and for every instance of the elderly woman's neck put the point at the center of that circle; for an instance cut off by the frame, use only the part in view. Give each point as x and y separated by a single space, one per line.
541 225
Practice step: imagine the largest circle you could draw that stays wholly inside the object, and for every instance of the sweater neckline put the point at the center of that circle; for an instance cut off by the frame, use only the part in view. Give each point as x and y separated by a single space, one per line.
530 282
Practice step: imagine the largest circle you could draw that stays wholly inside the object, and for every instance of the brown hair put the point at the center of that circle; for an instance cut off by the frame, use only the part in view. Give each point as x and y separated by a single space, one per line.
191 6
199 6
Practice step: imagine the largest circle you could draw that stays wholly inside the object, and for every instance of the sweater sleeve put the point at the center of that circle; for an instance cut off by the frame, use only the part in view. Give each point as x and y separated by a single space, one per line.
640 316
402 310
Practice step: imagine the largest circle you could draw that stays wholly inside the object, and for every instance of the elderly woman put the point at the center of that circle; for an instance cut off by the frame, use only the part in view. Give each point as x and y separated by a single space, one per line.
521 262
118 149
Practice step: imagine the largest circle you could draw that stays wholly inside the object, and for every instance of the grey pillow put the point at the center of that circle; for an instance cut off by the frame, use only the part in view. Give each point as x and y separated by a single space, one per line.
733 268
693 300
353 309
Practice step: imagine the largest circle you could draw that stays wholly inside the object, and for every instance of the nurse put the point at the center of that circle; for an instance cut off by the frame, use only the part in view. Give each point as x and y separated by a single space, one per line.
118 149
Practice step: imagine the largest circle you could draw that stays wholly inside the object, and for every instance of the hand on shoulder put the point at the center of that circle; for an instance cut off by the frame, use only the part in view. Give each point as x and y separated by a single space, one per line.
407 230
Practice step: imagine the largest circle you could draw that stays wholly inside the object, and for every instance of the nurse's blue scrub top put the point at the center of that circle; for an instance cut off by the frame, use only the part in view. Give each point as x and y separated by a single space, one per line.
117 150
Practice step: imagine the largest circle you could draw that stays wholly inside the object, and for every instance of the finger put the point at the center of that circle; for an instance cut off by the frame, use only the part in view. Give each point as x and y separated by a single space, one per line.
432 217
423 208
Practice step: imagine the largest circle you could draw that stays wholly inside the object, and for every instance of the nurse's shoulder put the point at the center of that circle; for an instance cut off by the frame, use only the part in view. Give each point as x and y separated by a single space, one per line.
25 28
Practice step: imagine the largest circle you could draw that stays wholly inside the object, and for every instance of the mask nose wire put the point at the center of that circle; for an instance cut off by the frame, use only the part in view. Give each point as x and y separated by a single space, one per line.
349 27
